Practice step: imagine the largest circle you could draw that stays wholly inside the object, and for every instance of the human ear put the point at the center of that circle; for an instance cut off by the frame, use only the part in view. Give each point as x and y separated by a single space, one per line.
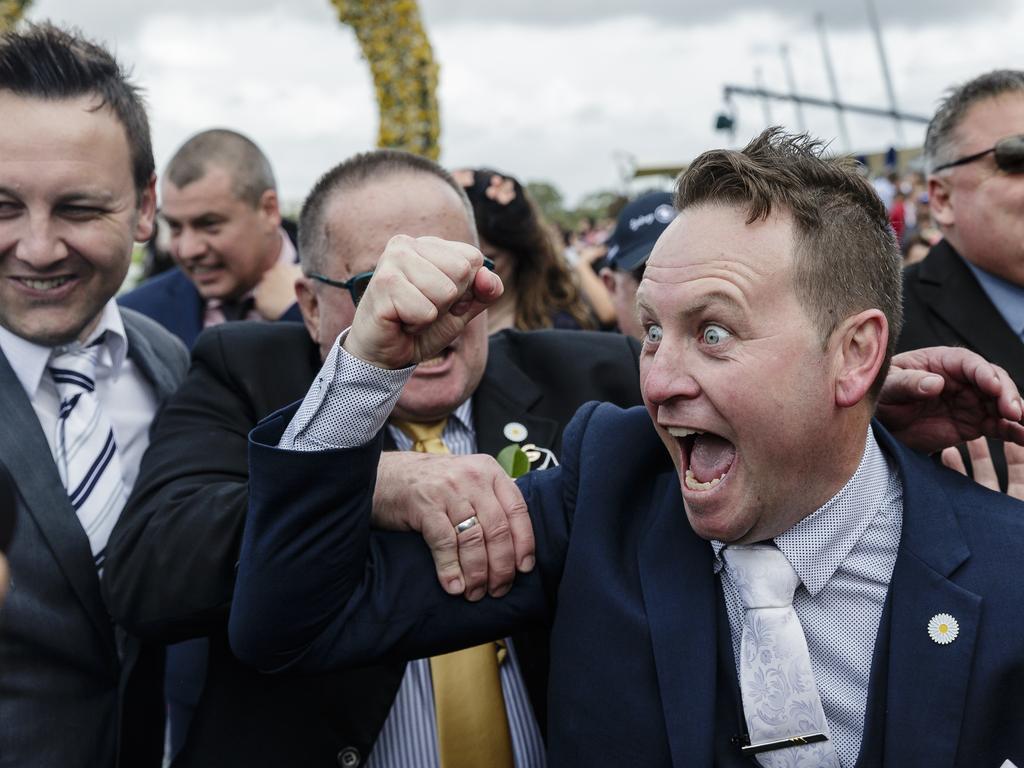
147 212
309 305
859 347
608 278
939 203
270 207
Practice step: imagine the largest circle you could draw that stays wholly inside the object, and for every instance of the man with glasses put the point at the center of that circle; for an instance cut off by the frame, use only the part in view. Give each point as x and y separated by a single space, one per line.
170 573
969 291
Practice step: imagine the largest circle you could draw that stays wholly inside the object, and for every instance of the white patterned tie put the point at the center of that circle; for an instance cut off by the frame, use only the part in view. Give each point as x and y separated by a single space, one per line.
86 452
780 696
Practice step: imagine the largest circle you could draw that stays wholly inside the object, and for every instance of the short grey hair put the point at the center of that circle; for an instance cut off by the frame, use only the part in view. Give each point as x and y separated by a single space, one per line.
314 241
249 169
939 140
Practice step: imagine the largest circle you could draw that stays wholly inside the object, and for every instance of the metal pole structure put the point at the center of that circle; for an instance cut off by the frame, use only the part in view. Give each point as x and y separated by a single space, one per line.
873 18
819 20
784 52
762 93
765 104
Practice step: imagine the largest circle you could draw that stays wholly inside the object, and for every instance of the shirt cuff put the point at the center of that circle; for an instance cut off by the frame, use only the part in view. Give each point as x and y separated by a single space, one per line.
347 405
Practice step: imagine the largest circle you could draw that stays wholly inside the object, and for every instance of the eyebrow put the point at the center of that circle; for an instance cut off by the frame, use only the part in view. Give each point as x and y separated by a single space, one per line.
705 303
99 197
196 221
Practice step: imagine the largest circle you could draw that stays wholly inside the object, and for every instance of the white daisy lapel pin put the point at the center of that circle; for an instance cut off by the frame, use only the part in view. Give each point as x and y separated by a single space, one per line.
943 628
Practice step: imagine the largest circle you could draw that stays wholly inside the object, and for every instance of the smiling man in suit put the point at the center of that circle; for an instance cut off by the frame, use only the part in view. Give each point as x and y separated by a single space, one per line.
235 261
969 291
749 570
80 381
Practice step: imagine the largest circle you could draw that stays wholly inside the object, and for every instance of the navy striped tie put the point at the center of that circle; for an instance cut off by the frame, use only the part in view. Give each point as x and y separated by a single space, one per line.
86 452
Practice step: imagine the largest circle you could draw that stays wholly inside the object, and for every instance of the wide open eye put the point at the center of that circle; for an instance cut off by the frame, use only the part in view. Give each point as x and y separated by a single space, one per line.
654 334
713 335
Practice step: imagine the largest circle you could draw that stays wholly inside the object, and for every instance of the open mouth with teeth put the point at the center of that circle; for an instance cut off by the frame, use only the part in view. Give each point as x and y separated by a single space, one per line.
705 458
439 361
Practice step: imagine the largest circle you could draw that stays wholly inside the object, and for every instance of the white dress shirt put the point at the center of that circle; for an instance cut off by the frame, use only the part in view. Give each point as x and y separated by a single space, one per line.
844 554
125 394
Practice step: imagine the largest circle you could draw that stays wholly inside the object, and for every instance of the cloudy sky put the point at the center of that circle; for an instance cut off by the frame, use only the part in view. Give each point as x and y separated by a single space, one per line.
569 91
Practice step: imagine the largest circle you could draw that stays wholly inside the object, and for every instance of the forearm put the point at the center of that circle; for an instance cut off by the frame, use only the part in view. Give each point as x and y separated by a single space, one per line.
317 590
170 570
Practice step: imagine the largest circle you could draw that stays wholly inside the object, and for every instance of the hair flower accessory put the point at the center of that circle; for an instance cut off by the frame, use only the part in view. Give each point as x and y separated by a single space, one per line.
501 190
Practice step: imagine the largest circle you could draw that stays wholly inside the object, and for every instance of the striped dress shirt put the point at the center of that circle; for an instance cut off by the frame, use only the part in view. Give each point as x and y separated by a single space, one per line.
334 415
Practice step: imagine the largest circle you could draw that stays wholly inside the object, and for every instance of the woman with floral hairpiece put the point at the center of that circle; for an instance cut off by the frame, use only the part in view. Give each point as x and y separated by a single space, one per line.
540 291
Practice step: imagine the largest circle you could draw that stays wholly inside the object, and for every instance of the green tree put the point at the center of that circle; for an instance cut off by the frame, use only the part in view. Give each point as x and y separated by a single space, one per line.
549 199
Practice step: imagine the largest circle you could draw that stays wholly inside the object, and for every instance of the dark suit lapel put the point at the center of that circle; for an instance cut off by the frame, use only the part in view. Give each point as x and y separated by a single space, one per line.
506 395
927 682
27 455
679 594
951 291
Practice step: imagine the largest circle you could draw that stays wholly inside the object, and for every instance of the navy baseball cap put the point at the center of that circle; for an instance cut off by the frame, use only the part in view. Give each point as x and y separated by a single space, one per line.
639 226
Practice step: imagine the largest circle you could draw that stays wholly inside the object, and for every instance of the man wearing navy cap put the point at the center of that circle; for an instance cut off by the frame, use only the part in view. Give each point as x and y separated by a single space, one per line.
639 226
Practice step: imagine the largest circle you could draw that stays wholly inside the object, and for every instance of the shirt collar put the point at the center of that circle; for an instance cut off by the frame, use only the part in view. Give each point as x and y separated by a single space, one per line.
29 359
818 544
464 415
1007 297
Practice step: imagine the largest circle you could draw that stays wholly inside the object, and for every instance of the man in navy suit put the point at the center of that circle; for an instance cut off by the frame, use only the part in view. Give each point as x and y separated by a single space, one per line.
235 261
770 307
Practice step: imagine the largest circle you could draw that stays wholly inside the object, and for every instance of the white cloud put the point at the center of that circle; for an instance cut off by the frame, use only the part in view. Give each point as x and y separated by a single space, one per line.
551 90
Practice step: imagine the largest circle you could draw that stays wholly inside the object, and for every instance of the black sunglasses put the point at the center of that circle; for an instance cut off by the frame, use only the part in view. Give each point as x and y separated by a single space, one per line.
357 284
1008 154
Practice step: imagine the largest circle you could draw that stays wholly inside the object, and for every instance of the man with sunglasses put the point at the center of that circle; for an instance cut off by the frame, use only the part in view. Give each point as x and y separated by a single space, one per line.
969 291
171 568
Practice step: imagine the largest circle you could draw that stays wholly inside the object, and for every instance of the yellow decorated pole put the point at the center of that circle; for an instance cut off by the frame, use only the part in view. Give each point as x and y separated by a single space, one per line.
11 12
395 45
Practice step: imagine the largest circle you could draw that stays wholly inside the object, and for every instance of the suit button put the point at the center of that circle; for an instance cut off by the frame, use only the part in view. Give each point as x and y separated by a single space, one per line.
348 757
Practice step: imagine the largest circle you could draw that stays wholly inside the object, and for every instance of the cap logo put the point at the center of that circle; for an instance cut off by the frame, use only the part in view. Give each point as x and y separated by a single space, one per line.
664 213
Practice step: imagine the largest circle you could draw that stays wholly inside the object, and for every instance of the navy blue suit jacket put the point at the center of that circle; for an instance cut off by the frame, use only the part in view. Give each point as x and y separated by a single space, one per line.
641 671
172 300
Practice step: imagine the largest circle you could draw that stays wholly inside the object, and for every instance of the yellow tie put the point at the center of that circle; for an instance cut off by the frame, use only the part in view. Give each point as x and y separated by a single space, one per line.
472 727
426 438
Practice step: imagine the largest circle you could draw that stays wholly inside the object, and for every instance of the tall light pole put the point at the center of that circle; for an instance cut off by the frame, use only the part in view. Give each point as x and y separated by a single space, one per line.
819 20
877 29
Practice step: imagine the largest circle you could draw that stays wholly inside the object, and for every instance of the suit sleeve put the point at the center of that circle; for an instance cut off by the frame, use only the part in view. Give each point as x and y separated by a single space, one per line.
317 590
171 559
